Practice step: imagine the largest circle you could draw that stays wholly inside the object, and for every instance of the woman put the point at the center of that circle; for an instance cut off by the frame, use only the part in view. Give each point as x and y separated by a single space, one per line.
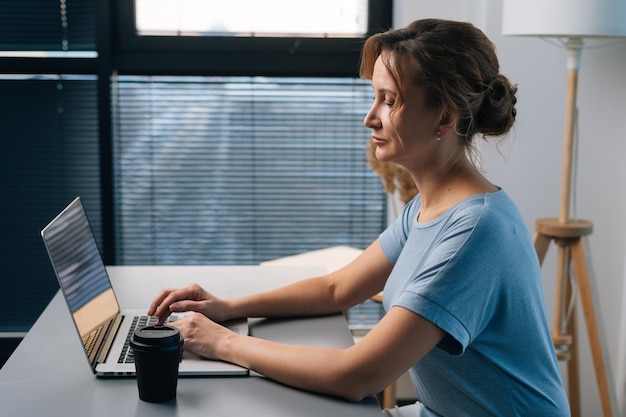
462 286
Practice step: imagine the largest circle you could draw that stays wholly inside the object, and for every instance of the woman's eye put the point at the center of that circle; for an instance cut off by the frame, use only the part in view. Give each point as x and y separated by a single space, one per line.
387 101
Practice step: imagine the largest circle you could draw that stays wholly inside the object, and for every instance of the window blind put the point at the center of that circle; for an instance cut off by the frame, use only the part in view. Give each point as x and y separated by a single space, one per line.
47 25
49 150
48 154
240 170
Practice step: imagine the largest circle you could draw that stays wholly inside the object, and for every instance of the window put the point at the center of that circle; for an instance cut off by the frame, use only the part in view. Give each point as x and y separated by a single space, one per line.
69 68
231 148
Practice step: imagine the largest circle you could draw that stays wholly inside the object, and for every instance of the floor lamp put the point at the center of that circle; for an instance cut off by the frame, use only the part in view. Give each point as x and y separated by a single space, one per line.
573 21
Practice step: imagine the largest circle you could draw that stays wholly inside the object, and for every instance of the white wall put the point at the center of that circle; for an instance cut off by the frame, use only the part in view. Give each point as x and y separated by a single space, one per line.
528 164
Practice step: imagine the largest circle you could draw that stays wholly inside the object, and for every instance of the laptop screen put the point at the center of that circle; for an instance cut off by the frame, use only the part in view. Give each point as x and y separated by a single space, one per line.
80 270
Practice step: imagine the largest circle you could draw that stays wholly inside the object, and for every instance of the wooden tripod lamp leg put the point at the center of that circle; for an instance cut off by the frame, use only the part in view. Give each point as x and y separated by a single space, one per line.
589 299
563 295
573 374
563 337
564 330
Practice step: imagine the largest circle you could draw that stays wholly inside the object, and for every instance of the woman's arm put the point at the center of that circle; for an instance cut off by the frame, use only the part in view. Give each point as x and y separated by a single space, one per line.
359 280
363 277
397 342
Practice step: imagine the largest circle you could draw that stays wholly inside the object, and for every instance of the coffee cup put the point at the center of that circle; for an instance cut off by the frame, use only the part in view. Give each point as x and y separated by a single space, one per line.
157 351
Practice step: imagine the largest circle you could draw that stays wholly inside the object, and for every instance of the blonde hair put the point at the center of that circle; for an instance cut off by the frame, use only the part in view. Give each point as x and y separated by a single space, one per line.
395 178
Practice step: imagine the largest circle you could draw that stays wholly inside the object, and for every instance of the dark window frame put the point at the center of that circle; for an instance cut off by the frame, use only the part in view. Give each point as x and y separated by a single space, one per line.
219 55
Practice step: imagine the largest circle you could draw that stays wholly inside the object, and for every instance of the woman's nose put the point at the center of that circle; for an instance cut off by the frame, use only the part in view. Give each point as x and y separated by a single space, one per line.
371 120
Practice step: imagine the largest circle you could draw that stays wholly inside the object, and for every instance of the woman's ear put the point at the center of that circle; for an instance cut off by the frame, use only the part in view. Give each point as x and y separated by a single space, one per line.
447 123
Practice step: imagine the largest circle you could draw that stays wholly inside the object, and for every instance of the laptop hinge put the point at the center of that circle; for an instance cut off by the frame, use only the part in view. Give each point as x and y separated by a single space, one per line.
110 337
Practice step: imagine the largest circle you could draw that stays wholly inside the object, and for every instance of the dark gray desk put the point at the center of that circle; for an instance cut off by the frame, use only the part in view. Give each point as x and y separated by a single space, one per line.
49 376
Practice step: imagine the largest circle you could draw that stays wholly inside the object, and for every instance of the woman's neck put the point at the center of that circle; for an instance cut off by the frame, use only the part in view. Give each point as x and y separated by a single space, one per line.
439 191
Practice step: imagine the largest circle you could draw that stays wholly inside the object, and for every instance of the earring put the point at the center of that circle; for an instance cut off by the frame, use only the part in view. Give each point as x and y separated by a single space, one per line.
438 137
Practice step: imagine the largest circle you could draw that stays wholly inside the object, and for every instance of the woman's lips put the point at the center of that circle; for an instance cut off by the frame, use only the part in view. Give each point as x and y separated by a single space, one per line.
378 141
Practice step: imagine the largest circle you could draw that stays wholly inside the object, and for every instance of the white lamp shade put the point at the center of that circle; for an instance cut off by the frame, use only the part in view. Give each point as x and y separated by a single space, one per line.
564 18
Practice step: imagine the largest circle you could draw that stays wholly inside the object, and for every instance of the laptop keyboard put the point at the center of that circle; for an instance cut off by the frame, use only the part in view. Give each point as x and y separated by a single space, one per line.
126 356
90 340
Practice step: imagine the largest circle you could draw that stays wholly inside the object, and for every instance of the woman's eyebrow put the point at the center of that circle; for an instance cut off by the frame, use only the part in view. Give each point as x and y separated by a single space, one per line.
386 91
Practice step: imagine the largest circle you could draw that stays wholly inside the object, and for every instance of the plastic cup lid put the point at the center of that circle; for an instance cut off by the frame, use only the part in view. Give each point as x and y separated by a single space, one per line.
157 335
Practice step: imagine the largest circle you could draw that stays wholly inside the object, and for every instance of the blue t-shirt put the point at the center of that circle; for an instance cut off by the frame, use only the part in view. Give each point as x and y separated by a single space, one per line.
474 273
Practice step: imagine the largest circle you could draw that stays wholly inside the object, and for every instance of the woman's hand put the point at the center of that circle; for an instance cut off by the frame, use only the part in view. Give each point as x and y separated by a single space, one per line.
202 336
190 298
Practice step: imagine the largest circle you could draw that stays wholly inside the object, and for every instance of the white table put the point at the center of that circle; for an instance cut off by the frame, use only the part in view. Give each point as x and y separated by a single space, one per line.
48 374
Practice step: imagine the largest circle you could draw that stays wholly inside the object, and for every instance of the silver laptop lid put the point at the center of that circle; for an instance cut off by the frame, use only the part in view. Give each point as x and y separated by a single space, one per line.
82 276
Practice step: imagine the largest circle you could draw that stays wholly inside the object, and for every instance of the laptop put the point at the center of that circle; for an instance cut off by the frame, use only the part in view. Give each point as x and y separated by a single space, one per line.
104 330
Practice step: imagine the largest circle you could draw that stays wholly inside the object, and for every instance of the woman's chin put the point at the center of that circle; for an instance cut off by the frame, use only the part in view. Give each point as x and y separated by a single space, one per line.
383 155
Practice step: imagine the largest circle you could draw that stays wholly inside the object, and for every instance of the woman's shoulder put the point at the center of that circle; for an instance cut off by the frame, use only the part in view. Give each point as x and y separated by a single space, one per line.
489 209
474 206
491 203
491 214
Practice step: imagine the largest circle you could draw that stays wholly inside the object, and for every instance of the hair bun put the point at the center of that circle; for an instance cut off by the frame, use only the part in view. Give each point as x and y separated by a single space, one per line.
497 113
